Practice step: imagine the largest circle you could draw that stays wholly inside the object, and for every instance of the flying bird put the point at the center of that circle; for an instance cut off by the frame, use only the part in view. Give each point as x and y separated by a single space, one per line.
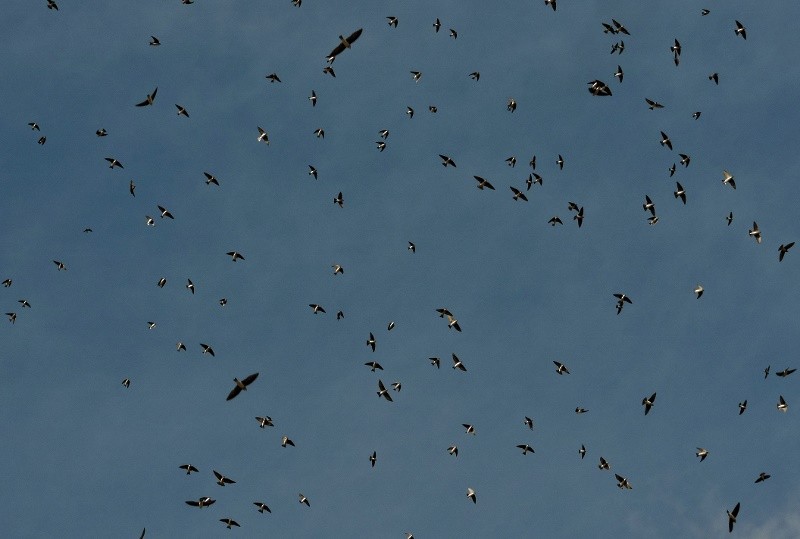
526 448
453 450
373 365
447 161
373 458
149 100
338 199
783 249
262 507
204 501
742 406
264 421
132 188
732 517
755 232
551 3
263 136
154 41
437 25
582 451
285 440
698 290
313 98
702 453
383 392
235 255
114 162
241 385
60 265
371 341
622 482
189 468
453 323
416 75
471 495
555 220
511 105
457 364
680 192
392 21
475 75
561 368
412 247
435 361
410 113
714 77
763 476
165 212
604 464
182 110
316 308
469 428
483 183
101 133
273 77
785 372
619 73
740 30
229 522
329 70
648 403
528 422
727 178
665 141
580 410
222 480
729 218
599 88
782 406
304 500
518 194
190 286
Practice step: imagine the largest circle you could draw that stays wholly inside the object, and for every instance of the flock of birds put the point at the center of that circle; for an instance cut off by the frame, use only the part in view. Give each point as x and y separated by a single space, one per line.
519 193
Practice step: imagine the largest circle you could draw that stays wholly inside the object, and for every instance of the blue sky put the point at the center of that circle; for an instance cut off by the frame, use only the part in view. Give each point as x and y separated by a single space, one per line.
88 457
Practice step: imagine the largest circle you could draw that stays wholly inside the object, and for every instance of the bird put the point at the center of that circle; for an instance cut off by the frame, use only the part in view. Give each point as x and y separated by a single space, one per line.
528 422
149 100
435 361
740 30
42 140
390 326
618 47
453 323
149 220
101 133
560 162
580 410
763 476
371 341
437 25
182 110
511 161
222 480
698 290
766 372
469 429
475 76
381 145
207 349
190 286
329 70
685 159
383 392
621 300
34 126
319 132
392 21
60 265
783 249
6 283
412 247
782 406
304 500
432 109
714 77
262 507
648 205
151 325
273 77
604 464
372 458
555 220
154 41
665 141
457 364
732 517
551 3
742 406
453 34
511 105
339 315
755 232
729 218
337 269
619 73
453 450
263 136
179 346
599 88
409 112
114 162
344 44
285 440
204 501
680 192
446 160
623 482
526 448
620 28
132 188
702 453
561 368
785 372
696 114
210 178
165 212
384 133
397 386
235 255
579 217
313 98
416 75
373 365
648 403
727 178
471 495
264 421
24 303
241 385
12 317
443 311
189 468
316 308
338 199
582 451
518 194
704 12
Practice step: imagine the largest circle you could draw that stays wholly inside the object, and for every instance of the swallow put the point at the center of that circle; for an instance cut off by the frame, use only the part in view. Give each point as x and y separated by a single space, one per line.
648 403
618 47
285 440
729 218
263 136
704 12
316 308
453 323
12 317
511 105
223 302
190 286
437 25
241 385
551 3
766 372
582 451
740 30
132 188
101 133
444 312
339 315
149 220
528 422
680 192
782 406
372 458
210 178
208 350
648 205
412 247
397 386
469 428
475 75
114 162
483 183
384 133
435 361
763 476
453 34
676 48
457 364
383 392
579 217
264 421
623 482
182 110
525 448
371 341
189 468
229 522
619 73
149 100
755 232
42 140
532 179
34 126
742 406
313 98
262 507
714 77
154 41
7 283
518 194
604 465
555 220
785 372
416 75
179 346
665 141
409 112
390 327
732 517
447 161
561 368
599 88
727 178
273 77
560 162
204 501
698 290
392 21
151 325
304 500
580 410
373 365
165 212
453 450
126 383
471 495
60 265
783 249
511 161
319 132
381 145
696 115
702 453
222 480
532 162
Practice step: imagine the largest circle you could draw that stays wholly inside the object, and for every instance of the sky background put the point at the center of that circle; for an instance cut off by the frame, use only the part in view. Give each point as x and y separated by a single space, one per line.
86 457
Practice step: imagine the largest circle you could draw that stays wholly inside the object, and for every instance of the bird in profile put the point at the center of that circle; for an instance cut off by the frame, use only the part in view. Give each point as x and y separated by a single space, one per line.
149 100
561 368
714 77
782 406
313 98
648 402
560 162
114 162
263 136
579 217
60 265
622 482
702 453
235 255
132 188
599 88
316 308
154 41
696 114
475 75
648 205
371 341
262 507
182 110
338 199
410 112
783 249
412 247
732 517
457 364
582 451
619 73
763 476
383 392
392 21
469 429
339 315
190 285
241 385
755 232
453 450
740 30
698 290
437 25
580 410
329 70
285 440
229 522
742 406
471 495
24 303
222 480
446 160
337 269
165 212
785 372
304 500
704 12
210 178
727 179
373 458
453 34
766 372
526 448
680 192
273 77
551 3
453 323
729 218
189 468
264 421
528 422
204 501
